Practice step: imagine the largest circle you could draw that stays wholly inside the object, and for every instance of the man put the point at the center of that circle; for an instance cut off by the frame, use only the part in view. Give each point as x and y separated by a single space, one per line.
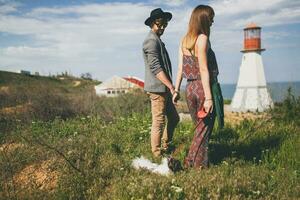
158 83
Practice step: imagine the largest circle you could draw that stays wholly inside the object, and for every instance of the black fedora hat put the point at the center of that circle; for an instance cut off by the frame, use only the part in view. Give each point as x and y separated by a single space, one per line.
158 13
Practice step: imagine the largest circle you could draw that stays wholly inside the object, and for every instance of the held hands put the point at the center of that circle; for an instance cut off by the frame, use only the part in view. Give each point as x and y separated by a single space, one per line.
176 97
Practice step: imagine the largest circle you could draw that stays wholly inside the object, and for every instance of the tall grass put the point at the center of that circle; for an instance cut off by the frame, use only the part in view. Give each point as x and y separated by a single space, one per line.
87 153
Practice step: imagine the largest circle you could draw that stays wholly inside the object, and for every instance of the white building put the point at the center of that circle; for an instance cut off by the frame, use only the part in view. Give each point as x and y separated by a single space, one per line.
26 72
117 85
251 92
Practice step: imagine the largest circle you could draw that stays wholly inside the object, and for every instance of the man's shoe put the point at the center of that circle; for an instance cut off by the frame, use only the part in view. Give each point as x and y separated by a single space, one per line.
168 150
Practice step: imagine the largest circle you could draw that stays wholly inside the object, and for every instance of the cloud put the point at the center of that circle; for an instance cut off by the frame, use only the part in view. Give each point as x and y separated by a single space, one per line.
233 7
26 51
233 15
283 16
106 39
171 3
97 37
7 7
267 13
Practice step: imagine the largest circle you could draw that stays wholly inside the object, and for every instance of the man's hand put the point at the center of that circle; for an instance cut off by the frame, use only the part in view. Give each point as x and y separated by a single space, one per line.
163 78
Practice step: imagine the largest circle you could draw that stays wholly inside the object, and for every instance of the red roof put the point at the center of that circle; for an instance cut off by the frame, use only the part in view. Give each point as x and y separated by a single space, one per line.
252 25
135 81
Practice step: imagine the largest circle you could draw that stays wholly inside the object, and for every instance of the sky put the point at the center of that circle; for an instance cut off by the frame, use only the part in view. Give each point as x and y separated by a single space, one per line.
104 38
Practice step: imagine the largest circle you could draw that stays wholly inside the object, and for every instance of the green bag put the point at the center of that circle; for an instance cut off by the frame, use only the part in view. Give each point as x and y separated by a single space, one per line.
218 102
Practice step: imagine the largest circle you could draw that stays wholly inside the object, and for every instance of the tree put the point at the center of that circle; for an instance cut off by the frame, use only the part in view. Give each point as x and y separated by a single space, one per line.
87 76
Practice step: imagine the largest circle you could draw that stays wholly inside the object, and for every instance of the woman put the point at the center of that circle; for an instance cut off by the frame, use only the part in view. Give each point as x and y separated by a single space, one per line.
198 65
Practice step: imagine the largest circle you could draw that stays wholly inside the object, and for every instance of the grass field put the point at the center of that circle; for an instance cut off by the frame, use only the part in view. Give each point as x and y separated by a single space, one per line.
87 154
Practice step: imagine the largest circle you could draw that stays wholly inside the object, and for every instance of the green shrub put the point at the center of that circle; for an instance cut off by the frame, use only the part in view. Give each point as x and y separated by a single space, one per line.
288 110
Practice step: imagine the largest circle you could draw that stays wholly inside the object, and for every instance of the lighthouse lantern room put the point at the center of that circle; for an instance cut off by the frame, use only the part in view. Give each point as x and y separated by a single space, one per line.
252 41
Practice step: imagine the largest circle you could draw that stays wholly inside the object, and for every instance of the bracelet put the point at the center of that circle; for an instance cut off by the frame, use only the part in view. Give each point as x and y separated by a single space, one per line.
208 100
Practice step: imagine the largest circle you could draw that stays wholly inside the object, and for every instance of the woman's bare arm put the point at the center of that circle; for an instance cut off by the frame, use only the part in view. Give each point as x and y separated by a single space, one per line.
179 73
202 41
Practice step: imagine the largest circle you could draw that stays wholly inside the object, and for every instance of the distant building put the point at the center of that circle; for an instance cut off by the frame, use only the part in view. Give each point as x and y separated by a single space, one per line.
117 85
135 80
24 72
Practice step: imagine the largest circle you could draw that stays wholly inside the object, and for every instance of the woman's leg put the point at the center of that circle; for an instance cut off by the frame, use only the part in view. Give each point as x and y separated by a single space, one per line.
197 155
191 99
201 155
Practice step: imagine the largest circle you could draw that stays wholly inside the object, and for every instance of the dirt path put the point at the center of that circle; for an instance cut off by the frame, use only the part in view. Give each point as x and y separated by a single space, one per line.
4 89
39 175
76 83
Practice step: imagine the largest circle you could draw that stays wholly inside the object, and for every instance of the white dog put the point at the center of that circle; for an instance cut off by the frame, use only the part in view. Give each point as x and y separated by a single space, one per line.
144 163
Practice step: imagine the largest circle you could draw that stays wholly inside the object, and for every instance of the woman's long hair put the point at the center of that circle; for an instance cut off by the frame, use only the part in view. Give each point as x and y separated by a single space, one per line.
200 22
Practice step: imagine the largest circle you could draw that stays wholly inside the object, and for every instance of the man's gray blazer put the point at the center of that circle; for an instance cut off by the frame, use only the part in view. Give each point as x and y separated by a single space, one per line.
156 60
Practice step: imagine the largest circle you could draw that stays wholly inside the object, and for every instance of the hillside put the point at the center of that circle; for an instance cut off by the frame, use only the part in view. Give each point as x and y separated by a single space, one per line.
71 145
13 83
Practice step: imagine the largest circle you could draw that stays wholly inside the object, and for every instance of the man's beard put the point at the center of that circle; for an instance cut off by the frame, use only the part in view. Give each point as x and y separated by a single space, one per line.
160 32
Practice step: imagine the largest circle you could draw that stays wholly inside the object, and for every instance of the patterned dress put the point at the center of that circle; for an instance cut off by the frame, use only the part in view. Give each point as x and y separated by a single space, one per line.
198 152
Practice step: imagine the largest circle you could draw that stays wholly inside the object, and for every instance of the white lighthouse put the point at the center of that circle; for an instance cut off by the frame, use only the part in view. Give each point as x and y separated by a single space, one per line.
251 92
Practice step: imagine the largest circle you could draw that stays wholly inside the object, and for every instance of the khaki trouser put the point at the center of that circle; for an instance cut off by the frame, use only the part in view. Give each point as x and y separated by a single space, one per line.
162 107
